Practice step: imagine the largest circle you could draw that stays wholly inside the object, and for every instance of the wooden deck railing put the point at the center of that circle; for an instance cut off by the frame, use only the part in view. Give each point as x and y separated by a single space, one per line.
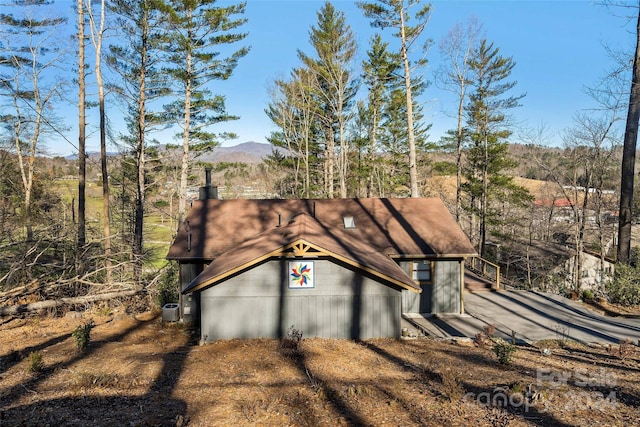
485 268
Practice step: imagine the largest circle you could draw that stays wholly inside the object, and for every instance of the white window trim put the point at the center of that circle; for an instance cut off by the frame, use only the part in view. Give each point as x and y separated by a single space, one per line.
430 263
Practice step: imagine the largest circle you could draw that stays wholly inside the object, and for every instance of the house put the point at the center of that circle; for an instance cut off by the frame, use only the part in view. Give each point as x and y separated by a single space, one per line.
595 270
335 268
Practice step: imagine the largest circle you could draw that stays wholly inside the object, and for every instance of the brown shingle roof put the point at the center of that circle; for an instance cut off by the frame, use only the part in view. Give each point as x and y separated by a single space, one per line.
395 227
306 234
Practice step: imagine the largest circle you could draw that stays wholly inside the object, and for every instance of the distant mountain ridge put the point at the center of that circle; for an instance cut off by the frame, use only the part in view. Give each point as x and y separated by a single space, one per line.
246 152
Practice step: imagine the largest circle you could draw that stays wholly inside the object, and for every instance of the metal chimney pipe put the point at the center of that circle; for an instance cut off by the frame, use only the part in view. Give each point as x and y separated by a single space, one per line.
208 191
207 176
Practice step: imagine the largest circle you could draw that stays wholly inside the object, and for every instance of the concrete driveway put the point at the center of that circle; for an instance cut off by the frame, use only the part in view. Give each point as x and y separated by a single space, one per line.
532 316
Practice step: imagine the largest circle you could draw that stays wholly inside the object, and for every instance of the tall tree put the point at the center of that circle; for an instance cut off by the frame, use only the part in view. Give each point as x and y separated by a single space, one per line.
29 53
197 30
293 110
629 156
97 28
455 76
137 61
82 125
362 161
335 49
380 75
397 14
488 132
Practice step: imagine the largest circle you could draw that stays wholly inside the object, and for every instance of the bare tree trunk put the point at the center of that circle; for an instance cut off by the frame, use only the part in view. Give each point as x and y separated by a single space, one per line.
137 249
96 37
484 199
307 173
371 153
41 305
459 141
82 159
629 157
413 170
184 171
27 163
344 161
457 48
581 230
528 267
330 163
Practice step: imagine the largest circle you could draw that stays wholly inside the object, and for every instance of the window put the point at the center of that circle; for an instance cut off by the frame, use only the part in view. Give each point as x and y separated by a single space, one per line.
421 271
349 222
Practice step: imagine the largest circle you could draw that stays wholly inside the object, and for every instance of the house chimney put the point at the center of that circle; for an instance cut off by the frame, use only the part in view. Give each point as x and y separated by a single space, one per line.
207 176
208 191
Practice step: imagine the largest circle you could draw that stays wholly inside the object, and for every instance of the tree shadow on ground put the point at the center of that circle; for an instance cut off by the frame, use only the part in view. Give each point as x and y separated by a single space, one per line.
594 385
469 391
154 408
17 356
292 350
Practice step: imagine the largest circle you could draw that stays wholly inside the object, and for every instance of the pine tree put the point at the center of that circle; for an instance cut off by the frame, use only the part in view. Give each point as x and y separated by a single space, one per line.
137 61
197 31
335 49
381 76
397 14
487 157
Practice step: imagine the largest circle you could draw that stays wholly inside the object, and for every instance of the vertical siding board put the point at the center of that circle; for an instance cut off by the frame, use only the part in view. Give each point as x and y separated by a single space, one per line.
380 320
339 304
370 316
324 317
311 311
378 316
342 302
440 287
333 317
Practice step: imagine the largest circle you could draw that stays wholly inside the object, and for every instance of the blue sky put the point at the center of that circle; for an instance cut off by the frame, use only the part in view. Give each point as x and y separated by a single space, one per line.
557 46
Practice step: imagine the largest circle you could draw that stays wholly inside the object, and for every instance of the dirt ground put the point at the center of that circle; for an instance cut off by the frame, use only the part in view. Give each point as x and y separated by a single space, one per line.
139 371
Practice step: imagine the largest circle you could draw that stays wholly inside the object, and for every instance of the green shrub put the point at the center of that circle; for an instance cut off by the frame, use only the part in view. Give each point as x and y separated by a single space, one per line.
82 335
587 295
444 168
624 288
36 364
504 351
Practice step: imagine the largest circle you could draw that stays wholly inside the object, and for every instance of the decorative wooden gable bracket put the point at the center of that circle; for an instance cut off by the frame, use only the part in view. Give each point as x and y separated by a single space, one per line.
301 248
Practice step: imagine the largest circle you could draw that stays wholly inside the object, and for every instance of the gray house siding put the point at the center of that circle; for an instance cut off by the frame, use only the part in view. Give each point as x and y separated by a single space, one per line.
441 296
258 303
446 287
190 304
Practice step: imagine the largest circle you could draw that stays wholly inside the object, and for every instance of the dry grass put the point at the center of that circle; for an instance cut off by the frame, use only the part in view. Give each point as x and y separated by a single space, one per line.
139 371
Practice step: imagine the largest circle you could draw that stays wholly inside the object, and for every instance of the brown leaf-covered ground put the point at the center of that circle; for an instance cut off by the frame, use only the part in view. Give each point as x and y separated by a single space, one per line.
138 371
